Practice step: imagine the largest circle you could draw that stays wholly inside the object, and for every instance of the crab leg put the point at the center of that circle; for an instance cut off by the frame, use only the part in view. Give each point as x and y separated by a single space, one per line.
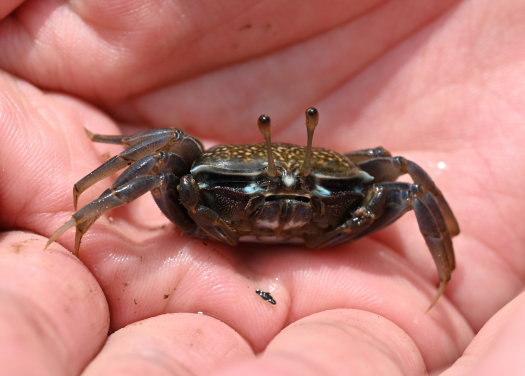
402 197
142 144
158 162
399 197
359 156
168 201
362 218
106 139
432 204
141 177
127 140
389 169
169 167
204 217
111 198
435 243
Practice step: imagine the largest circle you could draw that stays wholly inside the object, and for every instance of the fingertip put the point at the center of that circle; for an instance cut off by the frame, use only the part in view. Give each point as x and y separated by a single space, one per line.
339 341
61 313
171 344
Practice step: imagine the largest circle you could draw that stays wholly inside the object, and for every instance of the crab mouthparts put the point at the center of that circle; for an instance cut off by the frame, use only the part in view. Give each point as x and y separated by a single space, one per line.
304 199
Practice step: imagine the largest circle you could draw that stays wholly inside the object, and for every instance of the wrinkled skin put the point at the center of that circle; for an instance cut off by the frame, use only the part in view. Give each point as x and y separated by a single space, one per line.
434 81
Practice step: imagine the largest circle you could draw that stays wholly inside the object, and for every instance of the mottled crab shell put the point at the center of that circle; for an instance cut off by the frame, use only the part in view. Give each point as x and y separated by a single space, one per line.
250 161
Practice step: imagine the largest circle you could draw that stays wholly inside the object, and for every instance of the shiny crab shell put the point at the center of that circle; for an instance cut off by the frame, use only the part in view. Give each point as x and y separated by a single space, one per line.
232 180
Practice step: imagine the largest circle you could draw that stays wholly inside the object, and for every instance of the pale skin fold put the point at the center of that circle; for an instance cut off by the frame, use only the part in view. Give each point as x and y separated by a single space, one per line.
436 82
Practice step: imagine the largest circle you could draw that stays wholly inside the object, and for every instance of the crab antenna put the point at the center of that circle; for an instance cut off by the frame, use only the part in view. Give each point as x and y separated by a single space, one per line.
265 127
312 118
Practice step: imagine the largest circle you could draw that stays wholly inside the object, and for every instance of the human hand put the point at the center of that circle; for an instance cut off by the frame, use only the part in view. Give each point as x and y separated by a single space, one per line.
434 82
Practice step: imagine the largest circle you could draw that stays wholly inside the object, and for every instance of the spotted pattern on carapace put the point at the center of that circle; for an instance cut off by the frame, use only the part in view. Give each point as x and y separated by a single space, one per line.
288 156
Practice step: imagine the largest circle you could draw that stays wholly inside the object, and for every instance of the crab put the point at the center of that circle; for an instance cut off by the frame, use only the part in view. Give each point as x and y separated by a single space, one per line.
270 190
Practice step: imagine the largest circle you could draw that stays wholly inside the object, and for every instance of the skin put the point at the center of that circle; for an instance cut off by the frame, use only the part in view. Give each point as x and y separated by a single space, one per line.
438 82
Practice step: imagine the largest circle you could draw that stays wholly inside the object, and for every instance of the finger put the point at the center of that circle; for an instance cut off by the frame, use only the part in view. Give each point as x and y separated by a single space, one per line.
151 279
338 342
147 270
122 39
53 315
172 344
308 72
431 124
498 347
38 134
371 277
7 6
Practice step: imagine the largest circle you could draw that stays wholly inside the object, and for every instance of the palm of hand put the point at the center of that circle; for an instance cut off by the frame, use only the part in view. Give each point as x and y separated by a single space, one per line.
393 75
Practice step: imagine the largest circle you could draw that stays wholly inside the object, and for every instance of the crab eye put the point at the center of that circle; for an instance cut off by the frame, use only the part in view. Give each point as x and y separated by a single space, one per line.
312 112
265 127
312 118
264 119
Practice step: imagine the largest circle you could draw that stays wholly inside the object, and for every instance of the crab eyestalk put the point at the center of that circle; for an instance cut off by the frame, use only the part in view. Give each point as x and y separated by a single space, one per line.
265 124
312 118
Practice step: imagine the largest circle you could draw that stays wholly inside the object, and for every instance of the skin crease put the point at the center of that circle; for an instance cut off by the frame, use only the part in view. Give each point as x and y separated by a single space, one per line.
439 82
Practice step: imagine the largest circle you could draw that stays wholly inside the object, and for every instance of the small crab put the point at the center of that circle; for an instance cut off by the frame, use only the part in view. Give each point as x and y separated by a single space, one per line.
270 189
